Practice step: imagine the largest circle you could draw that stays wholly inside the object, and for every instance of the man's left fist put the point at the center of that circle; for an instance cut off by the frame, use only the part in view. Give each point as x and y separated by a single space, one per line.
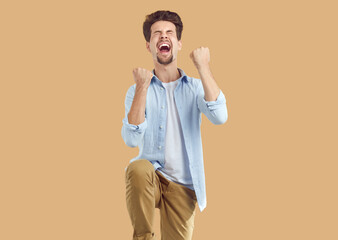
200 57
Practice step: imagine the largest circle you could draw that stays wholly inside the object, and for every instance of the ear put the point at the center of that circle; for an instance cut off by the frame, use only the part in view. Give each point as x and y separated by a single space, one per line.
147 46
179 44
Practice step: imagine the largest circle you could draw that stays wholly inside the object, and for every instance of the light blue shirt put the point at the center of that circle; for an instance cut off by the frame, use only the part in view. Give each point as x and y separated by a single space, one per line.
149 136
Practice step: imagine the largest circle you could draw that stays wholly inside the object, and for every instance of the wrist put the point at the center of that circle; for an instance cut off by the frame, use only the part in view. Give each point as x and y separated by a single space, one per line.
203 67
141 88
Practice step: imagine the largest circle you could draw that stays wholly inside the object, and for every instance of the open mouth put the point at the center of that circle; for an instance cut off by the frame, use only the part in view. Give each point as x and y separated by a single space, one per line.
164 47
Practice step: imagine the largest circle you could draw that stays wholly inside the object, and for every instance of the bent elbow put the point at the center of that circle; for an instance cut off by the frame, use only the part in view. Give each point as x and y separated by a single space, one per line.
131 142
221 119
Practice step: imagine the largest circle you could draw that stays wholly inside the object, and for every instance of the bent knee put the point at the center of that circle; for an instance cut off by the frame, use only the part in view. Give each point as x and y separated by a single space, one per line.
140 170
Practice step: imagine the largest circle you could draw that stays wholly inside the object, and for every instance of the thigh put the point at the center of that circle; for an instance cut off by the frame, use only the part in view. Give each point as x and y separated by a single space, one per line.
140 179
142 195
177 212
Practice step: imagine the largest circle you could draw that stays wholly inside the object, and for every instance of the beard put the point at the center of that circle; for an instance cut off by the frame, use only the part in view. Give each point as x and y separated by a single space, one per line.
165 62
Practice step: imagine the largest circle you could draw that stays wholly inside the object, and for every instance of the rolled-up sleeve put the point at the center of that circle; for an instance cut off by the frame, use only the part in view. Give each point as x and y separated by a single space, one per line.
132 134
215 111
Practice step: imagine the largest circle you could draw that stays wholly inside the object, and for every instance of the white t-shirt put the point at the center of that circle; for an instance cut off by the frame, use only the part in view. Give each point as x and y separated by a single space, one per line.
176 165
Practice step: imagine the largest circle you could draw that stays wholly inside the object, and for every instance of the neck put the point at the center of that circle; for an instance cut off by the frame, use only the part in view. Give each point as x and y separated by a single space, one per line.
167 73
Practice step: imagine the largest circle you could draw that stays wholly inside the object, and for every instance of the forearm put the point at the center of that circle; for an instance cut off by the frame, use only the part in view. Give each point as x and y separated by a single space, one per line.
211 89
136 114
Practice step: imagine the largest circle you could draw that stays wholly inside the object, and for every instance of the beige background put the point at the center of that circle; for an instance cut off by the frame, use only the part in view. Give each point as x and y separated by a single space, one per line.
271 170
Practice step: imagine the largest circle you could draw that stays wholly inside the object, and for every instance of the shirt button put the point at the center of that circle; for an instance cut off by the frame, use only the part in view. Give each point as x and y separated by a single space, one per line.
161 88
161 127
159 147
162 107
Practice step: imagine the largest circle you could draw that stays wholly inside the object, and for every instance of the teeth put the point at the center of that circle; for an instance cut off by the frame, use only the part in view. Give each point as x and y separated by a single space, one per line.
164 44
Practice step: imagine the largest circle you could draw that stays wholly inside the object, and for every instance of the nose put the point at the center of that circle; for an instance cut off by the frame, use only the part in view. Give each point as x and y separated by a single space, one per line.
164 36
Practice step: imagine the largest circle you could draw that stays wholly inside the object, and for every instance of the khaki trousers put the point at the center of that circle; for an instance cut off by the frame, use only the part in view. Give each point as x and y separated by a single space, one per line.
147 189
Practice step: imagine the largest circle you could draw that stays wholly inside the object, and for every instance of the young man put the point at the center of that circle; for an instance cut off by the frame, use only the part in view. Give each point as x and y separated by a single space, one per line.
162 117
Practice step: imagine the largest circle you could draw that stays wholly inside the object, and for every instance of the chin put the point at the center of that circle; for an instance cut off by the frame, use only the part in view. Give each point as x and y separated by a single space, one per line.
167 62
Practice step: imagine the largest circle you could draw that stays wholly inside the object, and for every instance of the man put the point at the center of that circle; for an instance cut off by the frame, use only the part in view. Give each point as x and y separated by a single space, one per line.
162 117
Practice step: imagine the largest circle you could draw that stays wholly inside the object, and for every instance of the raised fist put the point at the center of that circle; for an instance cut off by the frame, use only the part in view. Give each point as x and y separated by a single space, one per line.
142 77
200 56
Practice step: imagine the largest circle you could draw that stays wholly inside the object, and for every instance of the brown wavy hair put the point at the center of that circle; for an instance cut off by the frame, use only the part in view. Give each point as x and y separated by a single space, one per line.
162 16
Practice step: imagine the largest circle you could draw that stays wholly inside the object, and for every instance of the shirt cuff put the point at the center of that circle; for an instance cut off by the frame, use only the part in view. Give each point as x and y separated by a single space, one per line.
136 128
212 105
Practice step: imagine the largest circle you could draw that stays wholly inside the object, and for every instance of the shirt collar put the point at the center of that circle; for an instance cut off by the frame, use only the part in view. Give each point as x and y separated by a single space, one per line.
183 75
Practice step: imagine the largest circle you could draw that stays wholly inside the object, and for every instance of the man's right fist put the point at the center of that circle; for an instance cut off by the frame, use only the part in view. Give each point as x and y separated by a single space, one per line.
142 77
